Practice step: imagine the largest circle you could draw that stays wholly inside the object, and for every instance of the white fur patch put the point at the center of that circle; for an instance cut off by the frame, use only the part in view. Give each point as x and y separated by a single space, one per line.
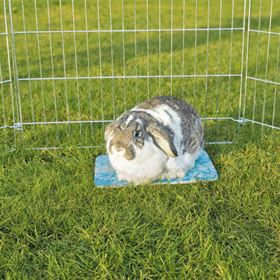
177 167
129 119
148 164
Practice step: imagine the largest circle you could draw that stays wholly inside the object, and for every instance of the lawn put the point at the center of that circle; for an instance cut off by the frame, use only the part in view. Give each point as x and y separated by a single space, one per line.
55 224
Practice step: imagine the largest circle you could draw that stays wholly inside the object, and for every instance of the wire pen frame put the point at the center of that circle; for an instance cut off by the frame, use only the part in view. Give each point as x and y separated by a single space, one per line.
69 68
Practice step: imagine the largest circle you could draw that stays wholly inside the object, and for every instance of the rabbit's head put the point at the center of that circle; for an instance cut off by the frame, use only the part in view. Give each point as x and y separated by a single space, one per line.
131 133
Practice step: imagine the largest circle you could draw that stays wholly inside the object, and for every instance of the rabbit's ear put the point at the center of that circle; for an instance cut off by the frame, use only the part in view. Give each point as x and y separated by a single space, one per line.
162 139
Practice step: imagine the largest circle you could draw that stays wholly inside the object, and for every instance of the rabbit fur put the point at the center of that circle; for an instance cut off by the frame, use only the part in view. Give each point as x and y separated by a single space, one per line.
159 138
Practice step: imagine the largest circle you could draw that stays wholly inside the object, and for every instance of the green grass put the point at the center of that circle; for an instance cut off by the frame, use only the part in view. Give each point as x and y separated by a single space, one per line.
53 222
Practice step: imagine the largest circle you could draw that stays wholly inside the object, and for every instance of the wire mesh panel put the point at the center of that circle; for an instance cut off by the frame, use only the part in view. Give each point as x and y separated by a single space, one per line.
8 109
261 97
76 65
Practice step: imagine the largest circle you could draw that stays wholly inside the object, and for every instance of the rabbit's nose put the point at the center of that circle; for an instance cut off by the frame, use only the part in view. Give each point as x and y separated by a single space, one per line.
119 149
118 146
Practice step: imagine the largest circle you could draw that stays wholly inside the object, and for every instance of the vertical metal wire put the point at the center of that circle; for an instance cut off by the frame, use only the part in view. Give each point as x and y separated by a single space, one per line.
230 58
18 107
183 58
242 58
88 67
171 48
216 106
2 96
237 131
195 52
207 54
52 64
257 59
112 61
123 47
40 67
135 50
276 86
1 81
148 48
219 56
76 65
52 69
230 68
2 93
266 67
100 64
247 58
9 63
159 46
27 62
64 67
39 57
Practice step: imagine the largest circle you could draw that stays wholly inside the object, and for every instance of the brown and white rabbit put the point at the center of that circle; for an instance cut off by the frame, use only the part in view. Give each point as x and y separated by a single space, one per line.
161 137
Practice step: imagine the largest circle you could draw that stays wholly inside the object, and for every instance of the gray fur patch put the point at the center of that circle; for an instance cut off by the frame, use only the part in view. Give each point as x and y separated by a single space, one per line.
190 122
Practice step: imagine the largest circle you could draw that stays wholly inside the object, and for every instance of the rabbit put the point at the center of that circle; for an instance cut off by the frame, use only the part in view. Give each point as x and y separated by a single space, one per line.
159 138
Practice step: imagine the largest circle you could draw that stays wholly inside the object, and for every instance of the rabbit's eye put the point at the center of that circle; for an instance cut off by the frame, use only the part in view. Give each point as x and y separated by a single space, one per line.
137 133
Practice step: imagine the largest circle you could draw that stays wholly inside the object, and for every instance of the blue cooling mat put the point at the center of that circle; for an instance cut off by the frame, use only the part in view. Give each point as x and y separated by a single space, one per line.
204 170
